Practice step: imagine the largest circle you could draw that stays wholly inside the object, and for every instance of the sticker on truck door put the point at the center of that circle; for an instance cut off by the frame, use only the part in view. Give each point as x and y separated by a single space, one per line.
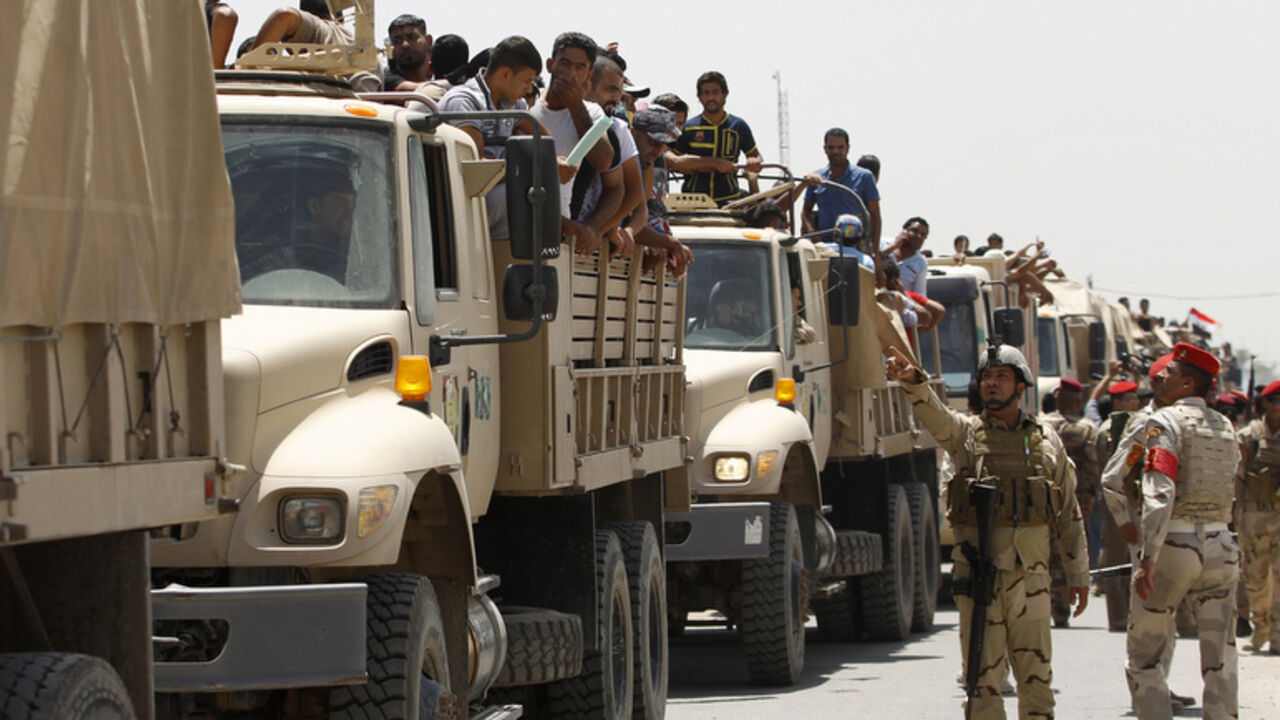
753 531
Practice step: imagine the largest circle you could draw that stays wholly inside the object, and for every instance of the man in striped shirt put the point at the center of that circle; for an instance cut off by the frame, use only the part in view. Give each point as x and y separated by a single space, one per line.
707 152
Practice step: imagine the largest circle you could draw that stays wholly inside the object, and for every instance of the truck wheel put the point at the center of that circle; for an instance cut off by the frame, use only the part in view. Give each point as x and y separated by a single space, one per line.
405 655
603 690
928 567
647 578
542 645
837 615
775 594
887 594
54 686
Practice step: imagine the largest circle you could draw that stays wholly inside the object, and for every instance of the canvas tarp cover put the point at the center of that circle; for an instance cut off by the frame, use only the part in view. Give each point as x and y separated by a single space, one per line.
114 200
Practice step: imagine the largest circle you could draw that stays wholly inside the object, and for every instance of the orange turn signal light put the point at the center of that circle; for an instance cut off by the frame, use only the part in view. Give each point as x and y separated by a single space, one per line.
361 110
785 391
413 378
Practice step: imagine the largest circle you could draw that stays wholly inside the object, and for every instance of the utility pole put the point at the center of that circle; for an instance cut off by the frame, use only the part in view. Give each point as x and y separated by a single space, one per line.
784 124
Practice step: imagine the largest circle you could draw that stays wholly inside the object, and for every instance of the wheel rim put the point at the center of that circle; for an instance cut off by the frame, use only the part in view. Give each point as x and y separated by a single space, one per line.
618 659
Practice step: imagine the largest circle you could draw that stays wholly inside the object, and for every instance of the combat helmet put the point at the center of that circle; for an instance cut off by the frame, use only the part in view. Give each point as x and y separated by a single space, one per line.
1006 355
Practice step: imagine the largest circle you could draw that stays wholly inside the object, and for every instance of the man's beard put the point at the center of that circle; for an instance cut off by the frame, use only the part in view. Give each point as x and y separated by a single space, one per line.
995 405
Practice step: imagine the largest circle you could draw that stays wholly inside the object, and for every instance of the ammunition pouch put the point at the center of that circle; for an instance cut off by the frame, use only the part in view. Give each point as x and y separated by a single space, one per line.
1261 482
1024 501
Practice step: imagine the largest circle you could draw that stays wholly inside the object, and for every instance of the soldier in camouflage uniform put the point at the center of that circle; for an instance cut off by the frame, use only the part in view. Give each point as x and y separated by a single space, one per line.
1009 448
1187 550
1258 520
1079 437
1124 401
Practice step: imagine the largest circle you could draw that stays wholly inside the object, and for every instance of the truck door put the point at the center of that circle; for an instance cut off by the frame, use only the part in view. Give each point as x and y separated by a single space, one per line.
804 303
452 280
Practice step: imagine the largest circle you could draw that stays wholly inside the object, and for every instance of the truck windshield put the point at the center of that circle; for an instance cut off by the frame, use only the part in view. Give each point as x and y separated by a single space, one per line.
1047 334
728 299
958 336
315 223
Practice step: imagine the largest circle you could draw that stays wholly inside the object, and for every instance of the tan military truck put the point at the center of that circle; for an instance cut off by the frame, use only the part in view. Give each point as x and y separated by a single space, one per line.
813 480
484 434
117 261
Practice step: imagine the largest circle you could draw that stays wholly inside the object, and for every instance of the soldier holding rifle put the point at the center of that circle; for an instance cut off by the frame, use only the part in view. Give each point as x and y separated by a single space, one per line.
1014 469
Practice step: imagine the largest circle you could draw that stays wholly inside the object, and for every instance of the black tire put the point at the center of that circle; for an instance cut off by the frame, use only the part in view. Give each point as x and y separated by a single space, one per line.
887 595
775 594
677 621
838 615
928 565
405 655
647 582
603 690
61 686
542 646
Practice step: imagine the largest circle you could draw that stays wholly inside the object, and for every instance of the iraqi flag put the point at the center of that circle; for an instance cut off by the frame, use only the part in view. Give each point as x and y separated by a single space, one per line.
1201 324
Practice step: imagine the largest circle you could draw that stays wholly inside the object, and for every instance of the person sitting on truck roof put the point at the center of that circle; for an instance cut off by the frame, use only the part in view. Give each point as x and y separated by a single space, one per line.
222 20
832 203
411 47
565 112
960 246
871 164
310 22
707 151
502 85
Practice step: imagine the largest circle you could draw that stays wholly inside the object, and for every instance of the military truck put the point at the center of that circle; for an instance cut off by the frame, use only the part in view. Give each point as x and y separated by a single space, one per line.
117 239
814 482
1074 335
466 446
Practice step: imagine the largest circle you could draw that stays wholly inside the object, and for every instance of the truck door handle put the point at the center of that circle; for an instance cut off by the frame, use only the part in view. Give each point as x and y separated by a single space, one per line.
458 331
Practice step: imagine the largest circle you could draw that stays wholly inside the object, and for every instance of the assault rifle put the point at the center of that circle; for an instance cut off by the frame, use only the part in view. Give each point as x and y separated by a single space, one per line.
982 582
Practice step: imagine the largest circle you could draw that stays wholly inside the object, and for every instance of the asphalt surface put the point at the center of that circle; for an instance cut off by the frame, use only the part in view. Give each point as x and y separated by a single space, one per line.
917 678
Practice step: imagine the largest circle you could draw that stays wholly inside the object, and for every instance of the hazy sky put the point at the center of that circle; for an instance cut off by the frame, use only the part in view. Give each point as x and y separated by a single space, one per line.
1139 139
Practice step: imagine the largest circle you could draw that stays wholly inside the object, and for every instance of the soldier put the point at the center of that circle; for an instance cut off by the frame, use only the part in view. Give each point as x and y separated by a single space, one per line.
1187 549
1079 437
1009 448
1258 520
1124 400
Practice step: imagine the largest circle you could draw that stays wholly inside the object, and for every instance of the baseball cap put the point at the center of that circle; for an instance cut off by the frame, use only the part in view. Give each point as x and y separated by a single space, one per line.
658 123
635 91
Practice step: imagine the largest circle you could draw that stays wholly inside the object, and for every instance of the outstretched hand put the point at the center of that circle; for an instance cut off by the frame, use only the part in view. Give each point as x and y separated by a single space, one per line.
898 367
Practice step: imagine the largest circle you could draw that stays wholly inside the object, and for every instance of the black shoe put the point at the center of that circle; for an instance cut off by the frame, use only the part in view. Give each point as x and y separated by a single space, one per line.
1061 622
1243 627
1185 701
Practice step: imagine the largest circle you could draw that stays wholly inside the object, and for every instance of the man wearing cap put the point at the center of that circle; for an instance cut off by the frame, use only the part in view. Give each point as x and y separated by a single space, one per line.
1189 465
1124 401
1079 437
1258 520
653 129
1008 447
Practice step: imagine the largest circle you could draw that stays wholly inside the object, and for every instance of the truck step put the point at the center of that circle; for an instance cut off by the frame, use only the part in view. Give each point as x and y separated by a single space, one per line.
828 589
500 712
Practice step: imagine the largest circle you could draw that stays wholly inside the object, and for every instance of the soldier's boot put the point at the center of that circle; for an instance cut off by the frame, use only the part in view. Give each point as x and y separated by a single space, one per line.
1243 628
1261 633
1180 702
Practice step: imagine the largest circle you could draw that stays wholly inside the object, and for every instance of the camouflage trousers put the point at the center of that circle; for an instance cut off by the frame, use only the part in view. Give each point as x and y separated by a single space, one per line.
1115 551
1202 567
1017 628
1260 541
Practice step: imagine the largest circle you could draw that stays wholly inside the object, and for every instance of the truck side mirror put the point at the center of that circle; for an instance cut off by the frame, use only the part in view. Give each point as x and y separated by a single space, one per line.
521 215
520 287
1097 370
1097 341
1008 325
844 291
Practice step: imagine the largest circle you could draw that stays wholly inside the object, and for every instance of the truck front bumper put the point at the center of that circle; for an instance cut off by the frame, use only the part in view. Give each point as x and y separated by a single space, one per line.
719 531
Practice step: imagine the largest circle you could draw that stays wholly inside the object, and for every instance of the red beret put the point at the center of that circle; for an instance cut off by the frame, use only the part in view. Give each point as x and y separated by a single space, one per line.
1239 394
1225 399
1158 365
1192 355
1122 387
1272 389
1070 384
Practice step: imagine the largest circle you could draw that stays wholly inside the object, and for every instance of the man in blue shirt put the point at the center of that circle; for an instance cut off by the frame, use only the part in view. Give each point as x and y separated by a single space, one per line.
707 151
833 203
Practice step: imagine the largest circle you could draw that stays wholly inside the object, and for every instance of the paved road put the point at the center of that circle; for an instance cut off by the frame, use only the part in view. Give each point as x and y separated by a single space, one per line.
918 678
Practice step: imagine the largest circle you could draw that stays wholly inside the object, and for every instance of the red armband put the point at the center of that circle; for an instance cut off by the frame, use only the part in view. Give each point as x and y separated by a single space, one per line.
1163 461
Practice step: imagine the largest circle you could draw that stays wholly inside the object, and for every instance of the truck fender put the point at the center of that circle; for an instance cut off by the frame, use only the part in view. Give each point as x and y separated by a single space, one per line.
761 425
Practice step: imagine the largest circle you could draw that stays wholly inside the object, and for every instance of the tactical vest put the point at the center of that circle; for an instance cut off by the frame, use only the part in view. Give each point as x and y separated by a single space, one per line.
1012 461
1262 474
1206 464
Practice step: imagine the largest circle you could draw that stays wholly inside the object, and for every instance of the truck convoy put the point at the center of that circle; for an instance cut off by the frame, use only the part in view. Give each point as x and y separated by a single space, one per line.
814 483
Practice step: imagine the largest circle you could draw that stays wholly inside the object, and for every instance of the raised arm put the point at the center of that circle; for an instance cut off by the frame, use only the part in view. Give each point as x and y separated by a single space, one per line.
947 426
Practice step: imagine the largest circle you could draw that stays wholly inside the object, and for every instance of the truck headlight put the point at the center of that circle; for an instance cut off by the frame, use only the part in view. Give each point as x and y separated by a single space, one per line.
311 520
374 508
765 462
732 468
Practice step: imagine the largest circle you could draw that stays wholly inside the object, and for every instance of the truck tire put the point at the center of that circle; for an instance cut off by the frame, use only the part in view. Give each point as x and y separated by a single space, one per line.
887 594
838 615
858 552
647 582
603 690
775 594
404 655
542 646
928 565
58 686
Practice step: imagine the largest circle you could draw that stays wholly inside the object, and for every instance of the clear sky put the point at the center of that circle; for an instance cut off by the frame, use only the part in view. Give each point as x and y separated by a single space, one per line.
1139 139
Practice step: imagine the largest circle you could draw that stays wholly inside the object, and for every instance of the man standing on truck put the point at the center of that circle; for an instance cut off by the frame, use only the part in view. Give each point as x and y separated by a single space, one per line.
833 203
1007 447
411 53
1079 437
1187 551
1257 494
707 151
